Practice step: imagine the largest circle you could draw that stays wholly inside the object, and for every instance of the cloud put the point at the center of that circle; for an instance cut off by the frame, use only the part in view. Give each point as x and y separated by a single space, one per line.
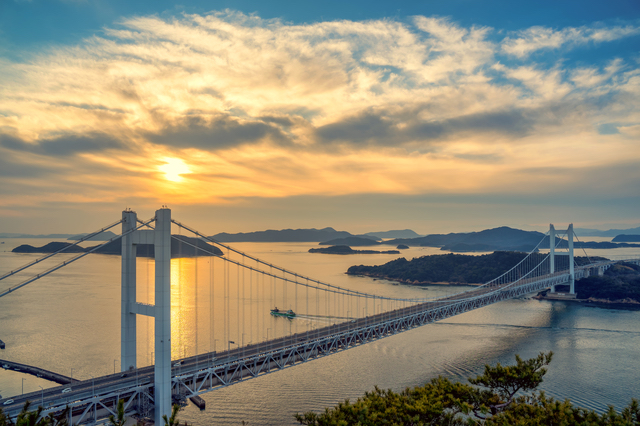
532 39
384 128
212 81
12 167
264 108
218 132
64 146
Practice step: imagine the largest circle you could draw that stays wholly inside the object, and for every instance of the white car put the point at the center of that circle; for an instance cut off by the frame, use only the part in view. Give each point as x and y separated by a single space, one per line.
8 401
66 390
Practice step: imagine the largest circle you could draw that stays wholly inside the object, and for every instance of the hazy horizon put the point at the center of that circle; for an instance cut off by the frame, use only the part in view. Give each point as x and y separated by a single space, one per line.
116 230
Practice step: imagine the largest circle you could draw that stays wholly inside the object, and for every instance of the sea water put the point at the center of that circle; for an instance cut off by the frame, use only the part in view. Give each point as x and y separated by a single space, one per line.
69 322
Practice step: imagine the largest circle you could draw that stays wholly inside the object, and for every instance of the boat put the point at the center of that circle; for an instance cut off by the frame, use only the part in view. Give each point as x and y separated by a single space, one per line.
287 314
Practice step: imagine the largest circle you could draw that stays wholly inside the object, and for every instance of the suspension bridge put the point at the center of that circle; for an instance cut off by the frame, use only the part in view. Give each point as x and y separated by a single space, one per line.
328 318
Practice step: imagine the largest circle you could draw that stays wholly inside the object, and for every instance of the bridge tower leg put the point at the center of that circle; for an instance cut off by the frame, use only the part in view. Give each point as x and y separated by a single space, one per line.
572 280
552 253
162 246
128 291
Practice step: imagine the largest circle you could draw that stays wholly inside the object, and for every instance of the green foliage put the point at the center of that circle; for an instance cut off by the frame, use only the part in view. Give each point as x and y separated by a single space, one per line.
537 410
173 420
34 418
493 398
451 268
120 420
4 420
503 383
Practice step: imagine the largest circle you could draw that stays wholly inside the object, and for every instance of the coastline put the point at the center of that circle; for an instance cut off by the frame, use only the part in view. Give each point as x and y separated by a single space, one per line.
626 303
415 283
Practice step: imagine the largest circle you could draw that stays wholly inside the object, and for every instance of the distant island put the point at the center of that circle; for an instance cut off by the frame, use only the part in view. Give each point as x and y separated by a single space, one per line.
181 246
283 236
609 233
489 240
620 284
326 236
623 238
404 233
103 236
349 250
448 268
18 235
351 241
496 239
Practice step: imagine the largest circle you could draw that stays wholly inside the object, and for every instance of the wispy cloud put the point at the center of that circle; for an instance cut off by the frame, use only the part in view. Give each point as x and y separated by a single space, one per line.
537 38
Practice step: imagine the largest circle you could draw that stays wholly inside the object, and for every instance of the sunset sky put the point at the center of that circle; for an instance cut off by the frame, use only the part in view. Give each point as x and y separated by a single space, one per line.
365 116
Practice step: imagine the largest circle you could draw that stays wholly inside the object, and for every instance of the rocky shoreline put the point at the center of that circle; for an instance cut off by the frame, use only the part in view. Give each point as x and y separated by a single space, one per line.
348 250
625 302
416 283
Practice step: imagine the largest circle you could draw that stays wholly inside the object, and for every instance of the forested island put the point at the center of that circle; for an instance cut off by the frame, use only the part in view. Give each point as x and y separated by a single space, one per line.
286 235
349 250
181 246
623 238
497 239
620 284
449 268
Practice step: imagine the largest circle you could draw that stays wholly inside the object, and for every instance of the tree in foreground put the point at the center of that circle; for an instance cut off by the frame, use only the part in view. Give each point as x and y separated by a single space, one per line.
34 418
173 420
502 395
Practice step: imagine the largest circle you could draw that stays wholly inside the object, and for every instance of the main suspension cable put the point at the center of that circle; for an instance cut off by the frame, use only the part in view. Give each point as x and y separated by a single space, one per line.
86 237
283 270
67 262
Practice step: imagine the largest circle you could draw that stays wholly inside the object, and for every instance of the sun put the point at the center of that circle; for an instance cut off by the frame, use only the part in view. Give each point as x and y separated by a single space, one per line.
174 168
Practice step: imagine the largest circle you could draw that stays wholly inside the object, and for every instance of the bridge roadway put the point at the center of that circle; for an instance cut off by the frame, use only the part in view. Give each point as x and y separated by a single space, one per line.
37 371
91 401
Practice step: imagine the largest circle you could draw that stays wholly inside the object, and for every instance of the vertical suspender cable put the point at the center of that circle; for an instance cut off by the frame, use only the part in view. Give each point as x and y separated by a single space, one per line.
250 306
243 301
211 304
196 300
238 336
296 302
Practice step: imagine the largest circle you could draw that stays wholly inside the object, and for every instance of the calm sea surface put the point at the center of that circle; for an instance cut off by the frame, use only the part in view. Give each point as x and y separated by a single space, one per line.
70 323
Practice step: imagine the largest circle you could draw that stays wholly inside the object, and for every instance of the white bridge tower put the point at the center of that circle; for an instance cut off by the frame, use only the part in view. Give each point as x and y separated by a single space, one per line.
160 237
553 253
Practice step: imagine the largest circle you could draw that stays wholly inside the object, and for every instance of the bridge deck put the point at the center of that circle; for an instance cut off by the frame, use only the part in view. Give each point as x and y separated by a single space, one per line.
37 371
